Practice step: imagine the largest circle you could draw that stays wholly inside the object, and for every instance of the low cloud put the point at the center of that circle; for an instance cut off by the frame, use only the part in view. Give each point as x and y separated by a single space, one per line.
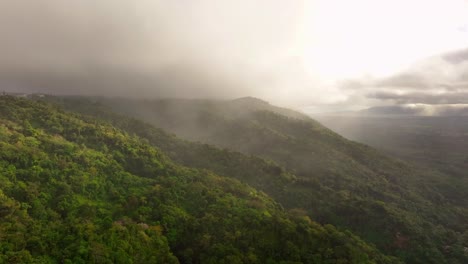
456 57
147 48
193 49
437 80
405 80
422 98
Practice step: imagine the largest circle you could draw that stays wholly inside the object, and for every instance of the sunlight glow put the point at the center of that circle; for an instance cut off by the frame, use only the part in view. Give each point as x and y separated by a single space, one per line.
343 39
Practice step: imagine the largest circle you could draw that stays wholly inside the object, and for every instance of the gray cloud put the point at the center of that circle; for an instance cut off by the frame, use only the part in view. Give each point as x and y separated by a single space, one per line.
422 98
166 82
179 48
407 79
141 48
437 80
457 56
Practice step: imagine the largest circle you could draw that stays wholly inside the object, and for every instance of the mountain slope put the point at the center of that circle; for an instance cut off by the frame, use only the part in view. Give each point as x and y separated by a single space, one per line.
433 141
263 174
406 211
78 190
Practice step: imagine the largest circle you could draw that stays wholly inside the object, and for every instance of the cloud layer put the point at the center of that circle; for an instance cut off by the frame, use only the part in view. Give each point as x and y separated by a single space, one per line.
438 80
225 49
141 48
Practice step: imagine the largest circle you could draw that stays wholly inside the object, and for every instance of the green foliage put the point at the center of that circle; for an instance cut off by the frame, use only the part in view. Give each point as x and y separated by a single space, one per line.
387 202
78 190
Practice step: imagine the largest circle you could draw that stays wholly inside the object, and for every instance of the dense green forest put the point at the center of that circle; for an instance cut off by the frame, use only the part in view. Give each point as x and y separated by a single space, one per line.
413 213
76 189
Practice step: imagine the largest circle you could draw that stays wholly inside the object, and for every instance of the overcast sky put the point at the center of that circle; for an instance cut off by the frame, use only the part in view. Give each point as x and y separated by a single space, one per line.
320 55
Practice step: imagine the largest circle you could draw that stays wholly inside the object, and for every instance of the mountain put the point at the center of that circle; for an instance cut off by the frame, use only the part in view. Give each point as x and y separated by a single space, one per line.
188 117
414 213
76 189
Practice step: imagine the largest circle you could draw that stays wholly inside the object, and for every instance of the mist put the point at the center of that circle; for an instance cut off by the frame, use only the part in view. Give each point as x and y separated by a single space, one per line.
298 53
142 48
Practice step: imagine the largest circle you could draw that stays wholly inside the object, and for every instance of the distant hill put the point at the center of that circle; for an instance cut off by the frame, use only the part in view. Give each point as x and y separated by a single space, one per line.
414 213
438 142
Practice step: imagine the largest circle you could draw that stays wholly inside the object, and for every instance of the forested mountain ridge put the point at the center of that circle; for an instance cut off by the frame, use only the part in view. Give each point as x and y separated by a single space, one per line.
258 172
78 190
408 212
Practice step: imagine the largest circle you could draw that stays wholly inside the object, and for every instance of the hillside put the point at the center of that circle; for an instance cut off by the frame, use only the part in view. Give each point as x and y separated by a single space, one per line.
79 190
261 173
410 212
438 142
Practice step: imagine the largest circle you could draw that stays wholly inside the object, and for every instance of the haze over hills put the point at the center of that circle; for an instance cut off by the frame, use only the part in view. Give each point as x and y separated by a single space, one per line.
120 141
75 189
438 142
390 203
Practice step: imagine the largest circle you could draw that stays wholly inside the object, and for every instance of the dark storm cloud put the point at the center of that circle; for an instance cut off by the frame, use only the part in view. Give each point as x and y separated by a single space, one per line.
76 46
422 98
166 82
60 34
138 48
